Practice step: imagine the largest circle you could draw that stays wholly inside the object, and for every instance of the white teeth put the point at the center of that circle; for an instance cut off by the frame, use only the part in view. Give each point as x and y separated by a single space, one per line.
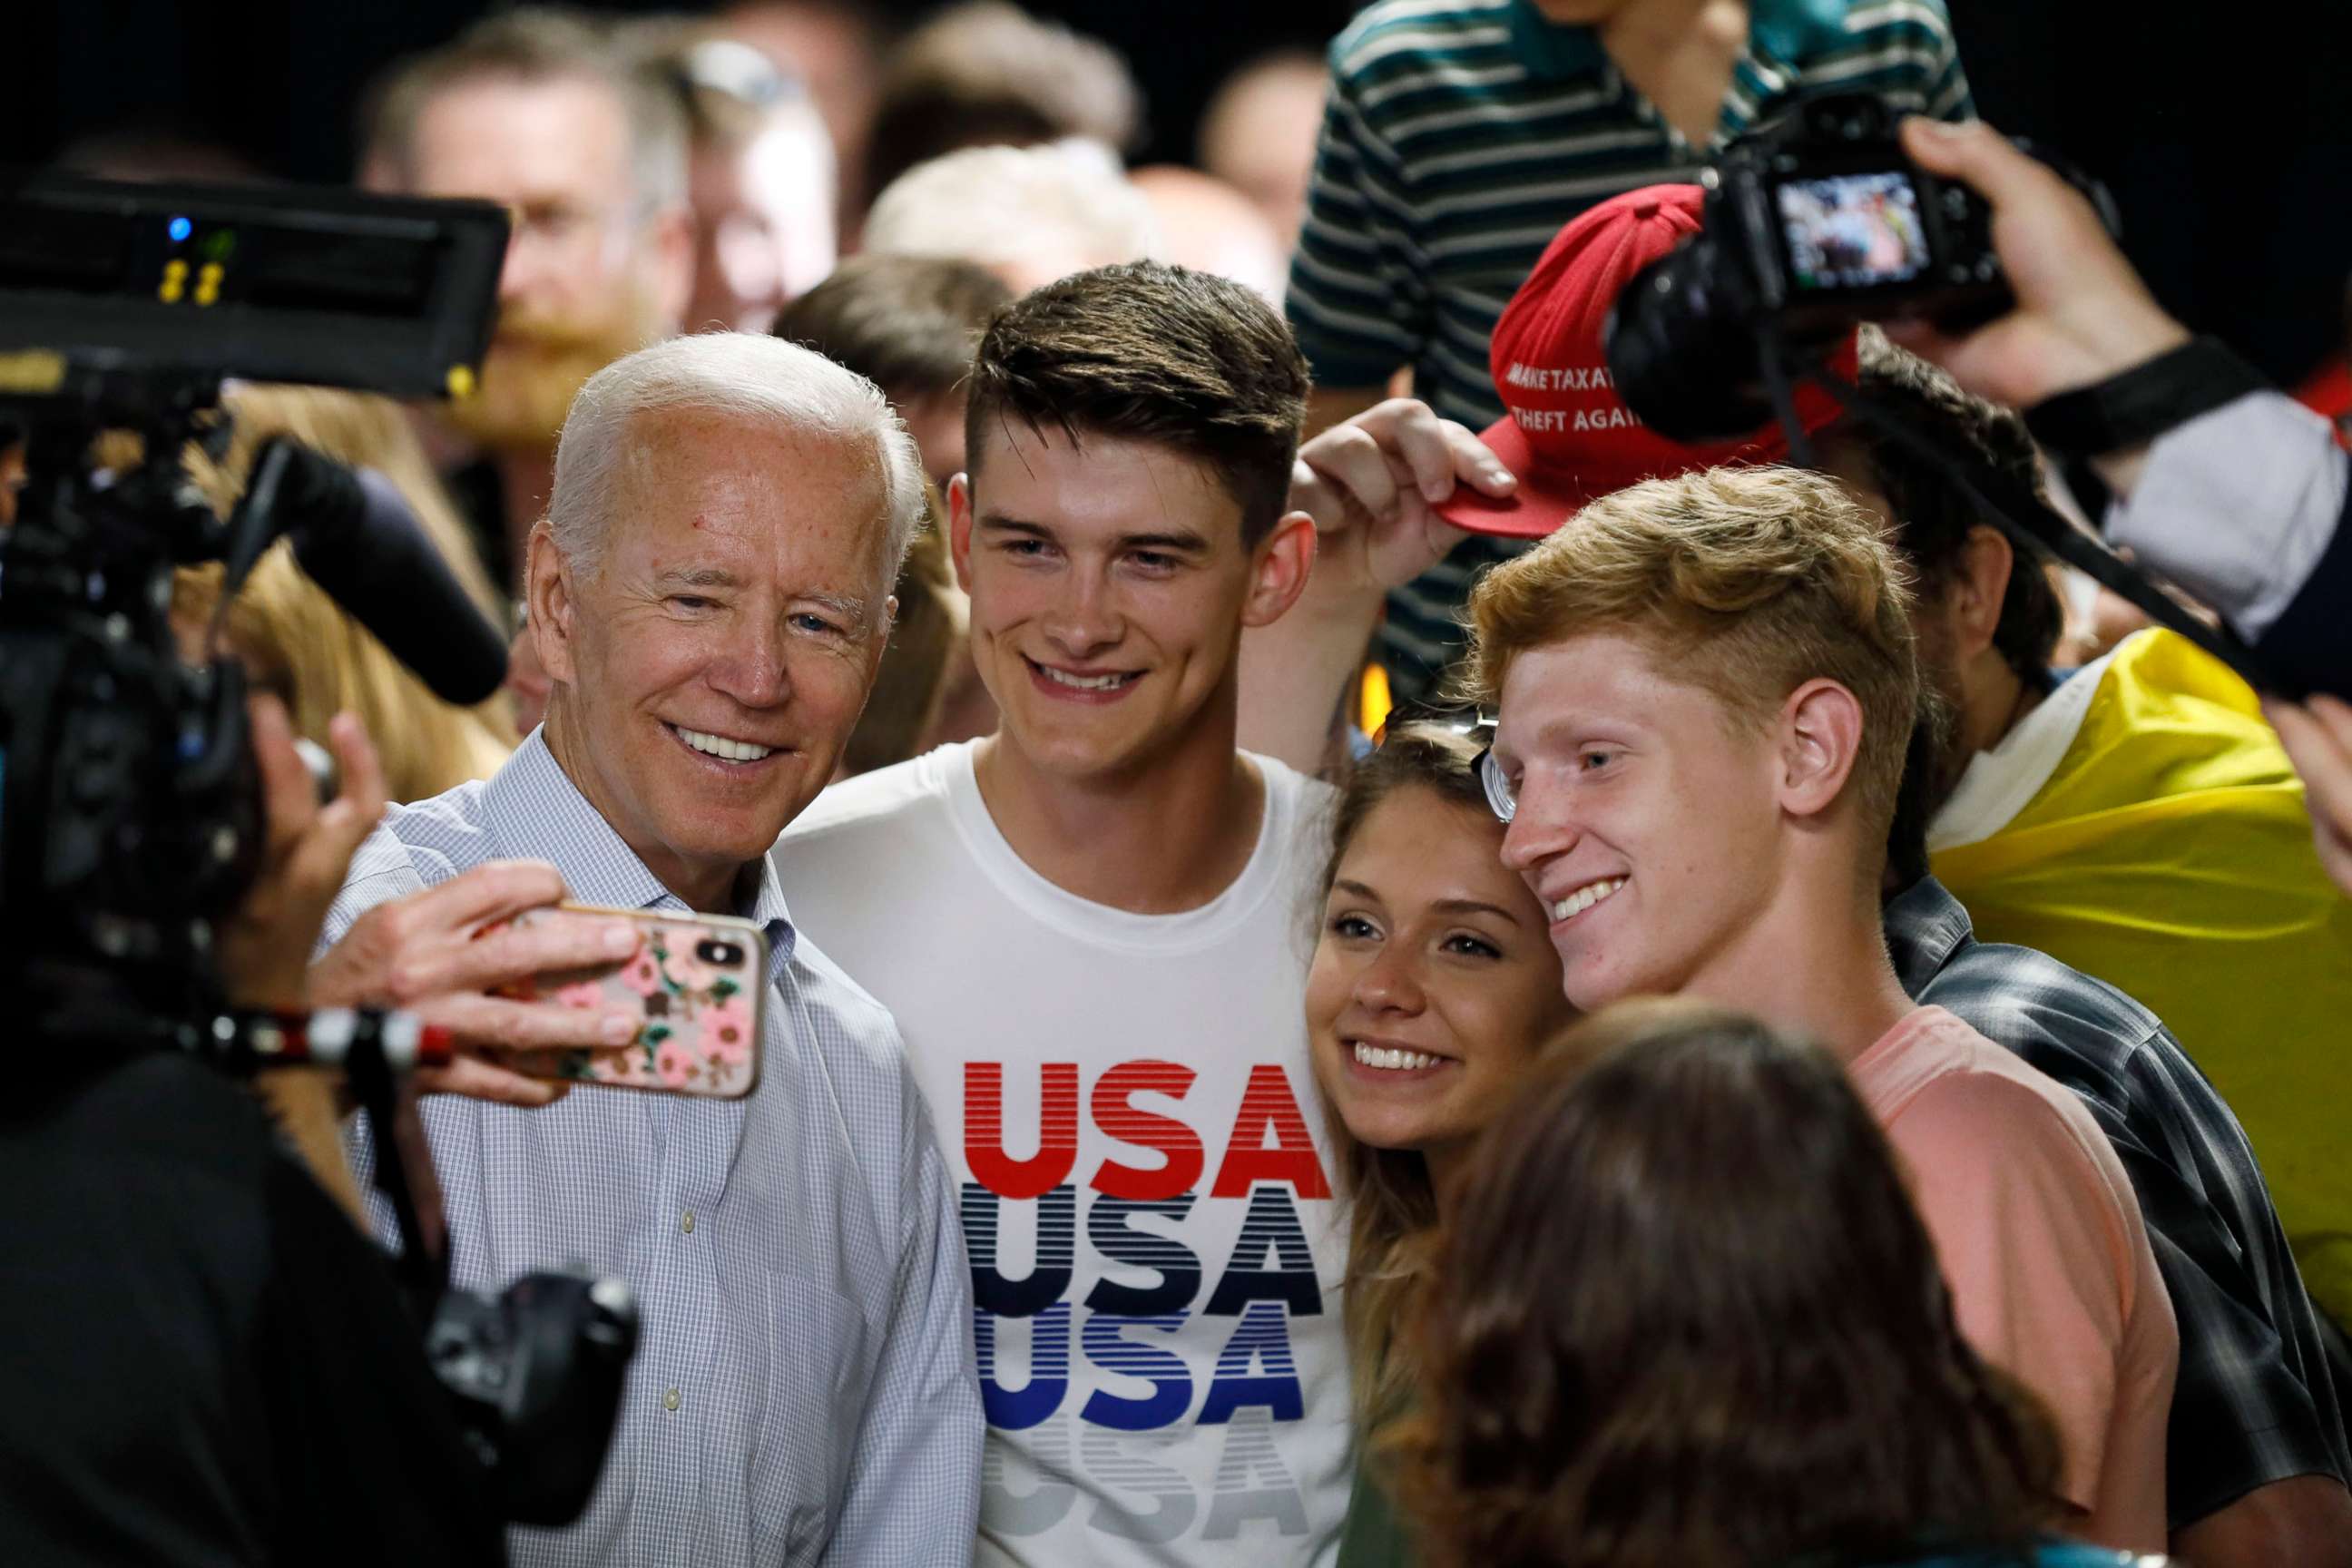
721 746
1584 898
1394 1061
1082 682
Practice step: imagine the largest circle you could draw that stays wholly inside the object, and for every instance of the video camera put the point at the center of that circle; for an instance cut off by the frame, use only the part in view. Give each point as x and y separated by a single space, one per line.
130 817
131 814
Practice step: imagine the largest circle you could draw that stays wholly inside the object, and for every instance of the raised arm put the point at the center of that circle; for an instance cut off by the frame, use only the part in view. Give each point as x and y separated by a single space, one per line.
1371 485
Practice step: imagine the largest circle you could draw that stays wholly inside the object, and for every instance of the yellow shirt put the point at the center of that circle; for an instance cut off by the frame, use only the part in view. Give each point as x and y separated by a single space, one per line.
2168 854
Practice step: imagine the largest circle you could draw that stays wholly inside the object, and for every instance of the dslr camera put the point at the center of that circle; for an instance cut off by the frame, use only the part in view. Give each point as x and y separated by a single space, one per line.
130 817
1811 224
1814 222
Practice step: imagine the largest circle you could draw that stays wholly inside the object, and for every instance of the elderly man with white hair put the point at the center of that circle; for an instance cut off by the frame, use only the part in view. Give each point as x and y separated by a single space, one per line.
710 592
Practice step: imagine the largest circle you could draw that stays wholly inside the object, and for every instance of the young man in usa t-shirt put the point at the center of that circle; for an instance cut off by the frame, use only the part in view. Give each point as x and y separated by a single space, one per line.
1092 926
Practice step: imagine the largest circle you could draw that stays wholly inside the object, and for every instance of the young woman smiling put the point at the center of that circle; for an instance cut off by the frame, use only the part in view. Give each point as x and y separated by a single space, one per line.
1434 985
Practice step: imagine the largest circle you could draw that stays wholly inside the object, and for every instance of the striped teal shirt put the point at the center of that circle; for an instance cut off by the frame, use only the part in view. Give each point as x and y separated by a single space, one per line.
1462 134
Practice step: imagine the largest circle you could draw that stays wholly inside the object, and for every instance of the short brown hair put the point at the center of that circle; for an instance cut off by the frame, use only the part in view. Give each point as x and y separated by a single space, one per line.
1686 1316
906 323
1749 581
532 44
988 74
1146 352
1932 516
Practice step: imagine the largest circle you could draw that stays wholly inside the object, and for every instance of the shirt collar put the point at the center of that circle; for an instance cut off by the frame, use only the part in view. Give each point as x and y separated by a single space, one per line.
538 814
1925 927
1788 31
1999 782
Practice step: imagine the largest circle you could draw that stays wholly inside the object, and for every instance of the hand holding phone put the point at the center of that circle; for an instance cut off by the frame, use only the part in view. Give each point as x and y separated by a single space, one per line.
447 952
695 982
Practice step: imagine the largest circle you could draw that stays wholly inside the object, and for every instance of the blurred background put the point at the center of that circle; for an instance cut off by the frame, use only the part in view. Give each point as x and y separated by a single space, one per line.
2222 132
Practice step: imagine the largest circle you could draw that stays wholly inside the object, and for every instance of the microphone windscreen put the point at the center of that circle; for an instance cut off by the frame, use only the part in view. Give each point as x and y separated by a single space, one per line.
380 565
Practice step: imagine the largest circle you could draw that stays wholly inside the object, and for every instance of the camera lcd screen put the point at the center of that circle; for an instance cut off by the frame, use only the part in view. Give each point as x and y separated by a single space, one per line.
1853 231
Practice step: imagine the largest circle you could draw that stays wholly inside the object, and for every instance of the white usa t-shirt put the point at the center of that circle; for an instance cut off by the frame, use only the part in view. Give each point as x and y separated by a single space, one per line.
1146 1191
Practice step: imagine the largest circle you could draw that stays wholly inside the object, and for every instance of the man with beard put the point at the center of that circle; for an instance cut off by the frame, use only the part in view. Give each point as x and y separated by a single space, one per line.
535 110
2136 819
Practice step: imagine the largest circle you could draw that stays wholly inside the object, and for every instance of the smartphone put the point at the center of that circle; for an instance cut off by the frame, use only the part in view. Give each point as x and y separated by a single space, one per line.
697 981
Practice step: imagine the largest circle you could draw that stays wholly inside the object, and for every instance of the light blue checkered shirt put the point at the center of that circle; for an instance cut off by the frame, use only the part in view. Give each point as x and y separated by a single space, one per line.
804 1391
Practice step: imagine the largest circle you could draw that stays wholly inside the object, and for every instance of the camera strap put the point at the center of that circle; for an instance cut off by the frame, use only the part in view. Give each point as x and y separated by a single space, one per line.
1782 370
2134 406
403 1172
2031 520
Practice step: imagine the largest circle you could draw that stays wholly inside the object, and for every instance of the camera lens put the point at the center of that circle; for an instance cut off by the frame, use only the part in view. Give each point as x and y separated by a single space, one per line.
719 955
1680 348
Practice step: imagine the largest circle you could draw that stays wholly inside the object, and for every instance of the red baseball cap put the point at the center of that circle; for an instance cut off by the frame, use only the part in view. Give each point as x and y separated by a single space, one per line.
1568 436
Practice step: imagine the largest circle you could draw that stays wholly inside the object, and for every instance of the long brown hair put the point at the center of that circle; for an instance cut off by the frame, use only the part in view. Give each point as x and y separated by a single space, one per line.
1392 1208
1685 1317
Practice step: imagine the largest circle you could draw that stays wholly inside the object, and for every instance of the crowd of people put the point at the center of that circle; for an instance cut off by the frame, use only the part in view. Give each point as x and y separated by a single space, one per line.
1367 960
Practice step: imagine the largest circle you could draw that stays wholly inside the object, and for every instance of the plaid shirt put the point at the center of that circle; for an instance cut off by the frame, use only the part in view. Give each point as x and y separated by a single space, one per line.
804 1389
2254 1404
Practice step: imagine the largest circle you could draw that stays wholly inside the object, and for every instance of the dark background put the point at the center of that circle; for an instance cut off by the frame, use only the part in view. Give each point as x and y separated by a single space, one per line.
2228 151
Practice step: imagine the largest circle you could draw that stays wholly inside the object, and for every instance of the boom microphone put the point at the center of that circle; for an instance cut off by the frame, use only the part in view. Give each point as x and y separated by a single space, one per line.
357 539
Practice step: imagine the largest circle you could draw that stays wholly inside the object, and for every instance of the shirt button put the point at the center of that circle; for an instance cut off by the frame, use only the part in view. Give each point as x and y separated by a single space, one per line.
687 1224
669 1400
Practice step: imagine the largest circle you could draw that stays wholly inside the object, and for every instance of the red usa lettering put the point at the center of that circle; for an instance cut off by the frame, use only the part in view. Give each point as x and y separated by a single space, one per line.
1268 1140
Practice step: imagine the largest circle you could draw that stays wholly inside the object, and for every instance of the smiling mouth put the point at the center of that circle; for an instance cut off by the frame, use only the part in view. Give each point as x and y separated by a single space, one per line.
1095 685
1584 898
1392 1059
719 748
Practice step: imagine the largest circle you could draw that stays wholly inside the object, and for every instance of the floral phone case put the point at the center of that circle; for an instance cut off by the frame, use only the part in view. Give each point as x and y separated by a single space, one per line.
697 979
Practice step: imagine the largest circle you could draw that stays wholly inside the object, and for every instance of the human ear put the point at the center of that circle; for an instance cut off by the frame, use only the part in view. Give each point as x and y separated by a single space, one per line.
1978 588
1280 568
959 528
547 589
1820 740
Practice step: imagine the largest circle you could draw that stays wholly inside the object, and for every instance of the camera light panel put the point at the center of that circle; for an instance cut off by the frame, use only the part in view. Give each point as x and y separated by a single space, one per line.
195 264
